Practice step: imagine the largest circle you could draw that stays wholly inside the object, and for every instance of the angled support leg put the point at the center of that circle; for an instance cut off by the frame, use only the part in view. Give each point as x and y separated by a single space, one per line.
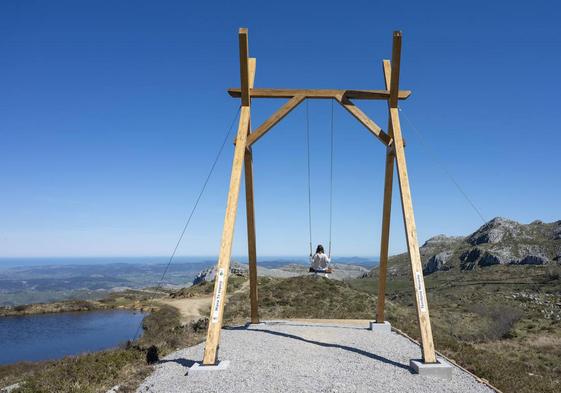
223 266
427 343
429 355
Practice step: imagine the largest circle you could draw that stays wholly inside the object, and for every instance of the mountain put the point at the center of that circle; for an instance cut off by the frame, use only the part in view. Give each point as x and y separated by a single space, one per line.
498 242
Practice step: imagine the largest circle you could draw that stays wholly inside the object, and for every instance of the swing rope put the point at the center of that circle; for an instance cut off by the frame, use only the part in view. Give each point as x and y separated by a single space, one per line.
332 132
331 183
309 176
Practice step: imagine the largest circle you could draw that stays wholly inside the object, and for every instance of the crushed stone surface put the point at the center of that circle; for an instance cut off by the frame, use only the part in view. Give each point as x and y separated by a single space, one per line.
293 356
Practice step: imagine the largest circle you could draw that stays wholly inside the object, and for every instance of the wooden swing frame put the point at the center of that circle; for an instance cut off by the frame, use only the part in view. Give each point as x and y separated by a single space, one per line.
245 139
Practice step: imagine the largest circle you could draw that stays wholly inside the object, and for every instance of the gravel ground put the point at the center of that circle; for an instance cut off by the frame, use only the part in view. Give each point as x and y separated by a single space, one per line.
291 356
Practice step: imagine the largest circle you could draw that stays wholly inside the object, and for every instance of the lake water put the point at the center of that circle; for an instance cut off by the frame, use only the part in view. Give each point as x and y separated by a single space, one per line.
53 336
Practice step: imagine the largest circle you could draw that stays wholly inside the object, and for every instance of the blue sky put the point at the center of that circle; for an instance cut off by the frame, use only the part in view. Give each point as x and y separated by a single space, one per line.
111 114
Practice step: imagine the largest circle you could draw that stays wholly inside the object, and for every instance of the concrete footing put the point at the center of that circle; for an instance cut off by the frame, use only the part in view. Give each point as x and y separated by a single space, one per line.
380 327
198 367
250 324
440 369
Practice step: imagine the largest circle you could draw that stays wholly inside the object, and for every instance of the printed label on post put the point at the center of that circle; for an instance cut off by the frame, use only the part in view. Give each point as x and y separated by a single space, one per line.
420 292
218 300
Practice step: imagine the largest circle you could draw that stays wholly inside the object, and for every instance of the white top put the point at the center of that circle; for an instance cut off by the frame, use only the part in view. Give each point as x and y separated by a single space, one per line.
320 261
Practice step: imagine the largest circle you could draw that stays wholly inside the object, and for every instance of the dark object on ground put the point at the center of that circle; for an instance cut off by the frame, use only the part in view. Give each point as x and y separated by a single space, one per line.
152 355
200 325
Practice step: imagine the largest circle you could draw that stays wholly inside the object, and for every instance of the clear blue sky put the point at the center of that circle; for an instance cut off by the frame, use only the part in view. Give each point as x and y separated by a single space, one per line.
111 114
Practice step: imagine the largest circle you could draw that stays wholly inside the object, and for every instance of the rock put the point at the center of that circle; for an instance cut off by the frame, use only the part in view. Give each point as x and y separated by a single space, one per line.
208 274
152 355
11 388
533 260
437 262
556 230
469 258
489 259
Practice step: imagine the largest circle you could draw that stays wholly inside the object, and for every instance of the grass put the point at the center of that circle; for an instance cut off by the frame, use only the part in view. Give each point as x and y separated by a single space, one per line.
302 297
502 323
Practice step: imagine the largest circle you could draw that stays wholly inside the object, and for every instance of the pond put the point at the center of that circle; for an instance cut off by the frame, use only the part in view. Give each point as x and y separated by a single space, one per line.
53 336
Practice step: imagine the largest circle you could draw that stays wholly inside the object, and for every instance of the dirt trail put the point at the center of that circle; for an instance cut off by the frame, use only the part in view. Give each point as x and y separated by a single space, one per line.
189 308
193 308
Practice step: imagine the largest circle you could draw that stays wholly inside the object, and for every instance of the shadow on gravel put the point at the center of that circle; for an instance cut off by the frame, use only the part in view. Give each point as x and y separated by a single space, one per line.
183 362
316 325
327 345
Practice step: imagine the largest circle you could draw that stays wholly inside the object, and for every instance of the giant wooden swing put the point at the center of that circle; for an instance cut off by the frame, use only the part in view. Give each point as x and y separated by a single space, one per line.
245 138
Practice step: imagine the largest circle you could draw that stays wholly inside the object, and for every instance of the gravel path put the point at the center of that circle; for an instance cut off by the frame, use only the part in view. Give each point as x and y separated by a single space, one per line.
293 356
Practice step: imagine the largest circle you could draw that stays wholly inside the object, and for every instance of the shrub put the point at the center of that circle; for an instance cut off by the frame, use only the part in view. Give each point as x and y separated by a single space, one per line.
501 320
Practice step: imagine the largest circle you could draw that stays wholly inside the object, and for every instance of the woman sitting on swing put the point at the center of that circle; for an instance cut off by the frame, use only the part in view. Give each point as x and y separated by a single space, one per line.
320 261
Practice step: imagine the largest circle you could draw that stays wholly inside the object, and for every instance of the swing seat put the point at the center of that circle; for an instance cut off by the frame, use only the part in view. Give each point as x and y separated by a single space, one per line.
322 271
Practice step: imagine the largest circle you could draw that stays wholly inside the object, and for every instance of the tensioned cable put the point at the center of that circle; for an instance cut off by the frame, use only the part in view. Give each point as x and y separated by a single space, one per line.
188 221
331 182
441 164
309 176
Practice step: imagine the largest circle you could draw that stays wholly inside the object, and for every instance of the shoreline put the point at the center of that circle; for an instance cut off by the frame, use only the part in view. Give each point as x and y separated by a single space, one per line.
137 300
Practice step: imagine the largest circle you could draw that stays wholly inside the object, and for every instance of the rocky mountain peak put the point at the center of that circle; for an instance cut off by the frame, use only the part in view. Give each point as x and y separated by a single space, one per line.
494 231
500 241
441 240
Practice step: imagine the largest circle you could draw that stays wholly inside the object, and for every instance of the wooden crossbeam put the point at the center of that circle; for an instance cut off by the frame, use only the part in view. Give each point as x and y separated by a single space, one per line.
274 119
320 93
364 120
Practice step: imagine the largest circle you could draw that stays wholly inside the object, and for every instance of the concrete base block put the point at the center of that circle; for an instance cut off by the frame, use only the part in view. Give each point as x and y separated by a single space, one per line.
441 369
250 324
380 327
198 367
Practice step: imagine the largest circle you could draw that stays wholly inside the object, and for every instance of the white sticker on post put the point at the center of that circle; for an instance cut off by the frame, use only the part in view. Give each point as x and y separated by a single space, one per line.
420 292
218 300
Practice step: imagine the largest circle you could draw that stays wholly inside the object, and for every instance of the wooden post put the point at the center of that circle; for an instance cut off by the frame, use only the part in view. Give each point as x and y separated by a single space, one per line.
386 212
251 242
223 266
427 344
250 212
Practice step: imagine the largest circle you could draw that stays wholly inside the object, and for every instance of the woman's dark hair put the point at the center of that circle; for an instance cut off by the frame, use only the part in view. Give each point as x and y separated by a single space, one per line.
319 249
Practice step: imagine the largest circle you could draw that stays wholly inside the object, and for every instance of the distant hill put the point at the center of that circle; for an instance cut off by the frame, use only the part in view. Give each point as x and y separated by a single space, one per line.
341 271
42 284
498 242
